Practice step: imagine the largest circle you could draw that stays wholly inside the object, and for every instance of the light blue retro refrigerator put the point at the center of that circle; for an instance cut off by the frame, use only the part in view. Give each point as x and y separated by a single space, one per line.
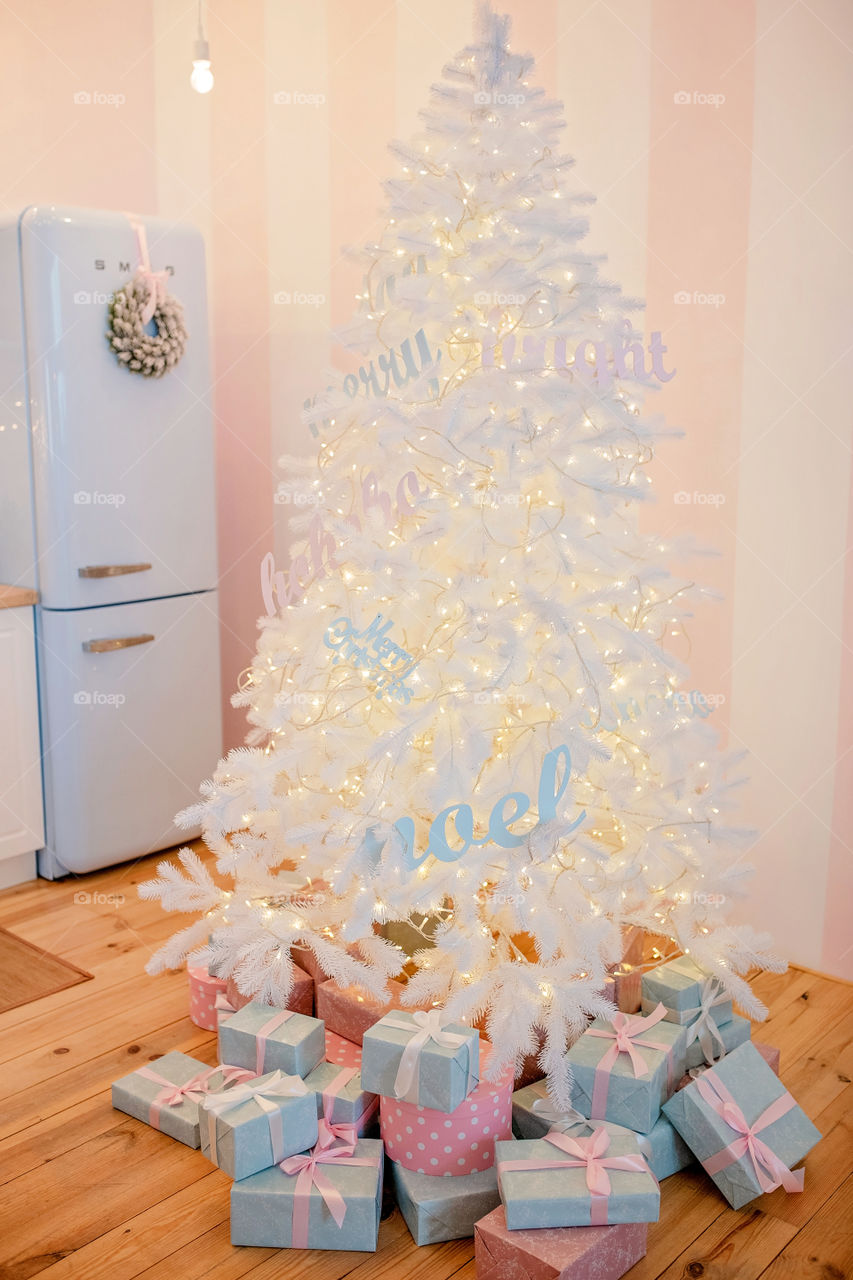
107 508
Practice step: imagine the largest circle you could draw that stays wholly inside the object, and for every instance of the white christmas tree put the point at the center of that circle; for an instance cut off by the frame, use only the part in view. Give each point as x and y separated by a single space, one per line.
464 711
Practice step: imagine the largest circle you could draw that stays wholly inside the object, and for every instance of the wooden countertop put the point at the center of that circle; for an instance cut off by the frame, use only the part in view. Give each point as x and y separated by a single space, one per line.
16 597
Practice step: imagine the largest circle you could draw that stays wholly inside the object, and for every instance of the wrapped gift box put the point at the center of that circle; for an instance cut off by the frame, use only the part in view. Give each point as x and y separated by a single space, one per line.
166 1093
624 989
443 1208
714 1112
341 1098
682 987
258 1123
265 1039
563 1181
556 1253
731 1033
300 1000
286 1208
416 1056
204 988
223 1009
608 1084
771 1055
533 1115
432 1142
350 1011
343 1053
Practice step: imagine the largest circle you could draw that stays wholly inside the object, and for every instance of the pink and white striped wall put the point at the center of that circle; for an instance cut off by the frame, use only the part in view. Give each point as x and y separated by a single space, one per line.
740 194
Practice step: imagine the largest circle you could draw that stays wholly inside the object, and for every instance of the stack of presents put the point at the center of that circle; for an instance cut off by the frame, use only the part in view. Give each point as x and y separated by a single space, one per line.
308 1114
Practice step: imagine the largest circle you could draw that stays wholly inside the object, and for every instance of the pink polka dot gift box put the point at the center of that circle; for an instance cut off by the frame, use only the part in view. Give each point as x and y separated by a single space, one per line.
203 992
428 1141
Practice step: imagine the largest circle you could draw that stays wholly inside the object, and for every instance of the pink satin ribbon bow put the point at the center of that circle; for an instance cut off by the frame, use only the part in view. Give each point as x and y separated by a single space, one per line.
157 282
770 1171
588 1154
266 1030
704 1028
267 1095
195 1090
428 1026
625 1034
347 1133
305 1168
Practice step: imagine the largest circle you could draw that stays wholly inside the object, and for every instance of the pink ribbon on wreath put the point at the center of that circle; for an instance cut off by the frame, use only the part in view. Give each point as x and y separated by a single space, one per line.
625 1035
344 1132
172 1095
306 1169
266 1030
590 1155
770 1170
157 282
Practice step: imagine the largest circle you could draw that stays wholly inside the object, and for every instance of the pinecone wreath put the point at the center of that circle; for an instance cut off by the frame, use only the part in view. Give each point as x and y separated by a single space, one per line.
144 298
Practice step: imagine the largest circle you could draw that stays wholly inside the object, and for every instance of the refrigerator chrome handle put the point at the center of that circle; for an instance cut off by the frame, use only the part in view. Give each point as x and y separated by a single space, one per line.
106 646
110 570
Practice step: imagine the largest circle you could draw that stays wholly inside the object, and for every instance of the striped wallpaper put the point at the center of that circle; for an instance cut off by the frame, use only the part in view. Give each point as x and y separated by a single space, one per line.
717 140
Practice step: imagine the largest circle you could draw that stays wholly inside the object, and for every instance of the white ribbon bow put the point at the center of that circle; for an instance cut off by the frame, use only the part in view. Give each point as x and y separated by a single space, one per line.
559 1120
277 1086
705 1028
430 1023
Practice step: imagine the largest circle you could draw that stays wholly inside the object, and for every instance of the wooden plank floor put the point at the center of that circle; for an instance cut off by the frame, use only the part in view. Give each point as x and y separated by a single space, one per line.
91 1193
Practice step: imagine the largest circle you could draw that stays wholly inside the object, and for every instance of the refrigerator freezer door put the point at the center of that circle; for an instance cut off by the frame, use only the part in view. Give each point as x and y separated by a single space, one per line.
131 726
123 465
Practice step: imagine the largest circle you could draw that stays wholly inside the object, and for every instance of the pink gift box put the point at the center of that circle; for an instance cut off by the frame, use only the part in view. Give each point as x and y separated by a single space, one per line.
556 1253
342 1052
301 999
428 1141
350 1011
625 990
203 992
309 962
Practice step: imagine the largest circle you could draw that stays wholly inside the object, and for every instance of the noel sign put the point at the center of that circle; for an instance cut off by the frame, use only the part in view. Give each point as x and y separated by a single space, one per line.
551 791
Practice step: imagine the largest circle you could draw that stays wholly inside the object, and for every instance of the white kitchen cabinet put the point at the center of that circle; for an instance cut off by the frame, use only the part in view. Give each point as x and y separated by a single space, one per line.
21 812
